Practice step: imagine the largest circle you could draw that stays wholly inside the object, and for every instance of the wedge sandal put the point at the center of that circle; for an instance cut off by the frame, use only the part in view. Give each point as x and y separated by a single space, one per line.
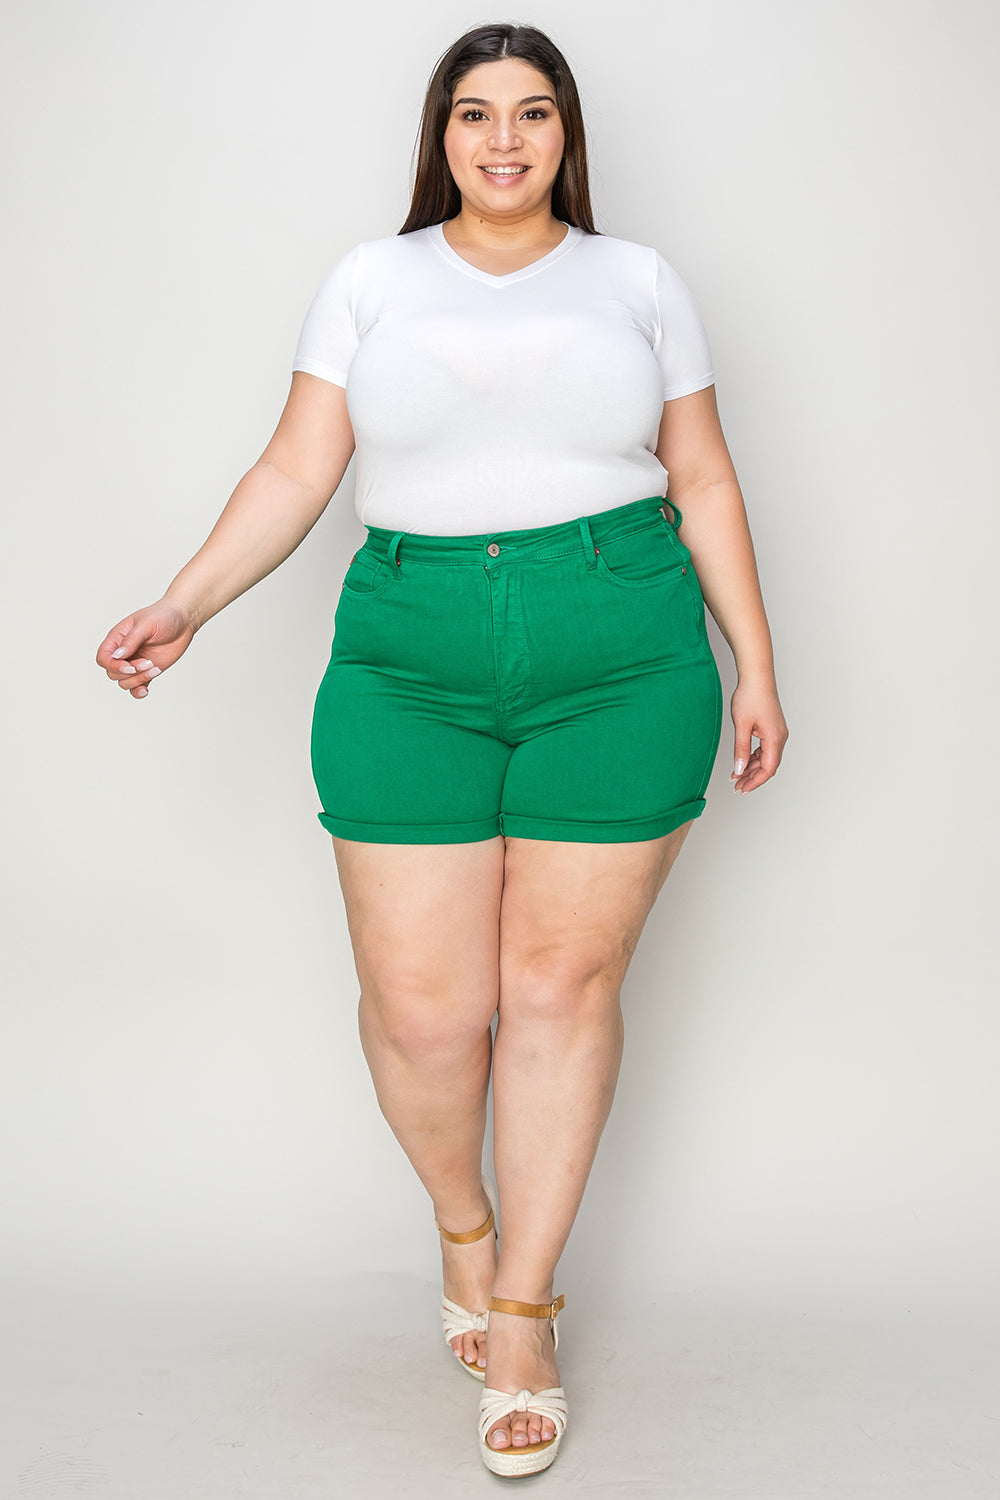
512 1462
458 1319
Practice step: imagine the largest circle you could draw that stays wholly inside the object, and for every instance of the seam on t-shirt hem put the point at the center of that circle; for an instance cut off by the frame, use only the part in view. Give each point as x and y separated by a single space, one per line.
316 367
689 390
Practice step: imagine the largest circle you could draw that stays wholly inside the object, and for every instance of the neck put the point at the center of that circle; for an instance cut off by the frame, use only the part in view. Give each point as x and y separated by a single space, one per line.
534 228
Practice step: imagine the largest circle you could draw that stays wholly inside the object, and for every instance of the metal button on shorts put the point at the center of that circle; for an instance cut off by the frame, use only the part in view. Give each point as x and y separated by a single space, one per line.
494 549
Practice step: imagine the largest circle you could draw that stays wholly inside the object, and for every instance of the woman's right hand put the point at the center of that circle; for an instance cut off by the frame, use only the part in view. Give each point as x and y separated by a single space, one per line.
144 644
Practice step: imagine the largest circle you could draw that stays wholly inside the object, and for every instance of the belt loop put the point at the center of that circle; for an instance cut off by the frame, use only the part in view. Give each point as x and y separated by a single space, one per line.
589 550
678 518
393 549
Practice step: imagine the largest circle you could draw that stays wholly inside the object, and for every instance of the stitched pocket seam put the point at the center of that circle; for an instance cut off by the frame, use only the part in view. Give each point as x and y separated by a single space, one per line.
380 576
606 572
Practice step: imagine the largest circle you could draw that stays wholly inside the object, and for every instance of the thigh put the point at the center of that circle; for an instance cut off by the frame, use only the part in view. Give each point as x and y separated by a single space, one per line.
575 910
619 727
402 746
424 919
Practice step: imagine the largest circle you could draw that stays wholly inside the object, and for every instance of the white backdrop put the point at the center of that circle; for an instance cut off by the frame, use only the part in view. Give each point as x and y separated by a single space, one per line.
806 1115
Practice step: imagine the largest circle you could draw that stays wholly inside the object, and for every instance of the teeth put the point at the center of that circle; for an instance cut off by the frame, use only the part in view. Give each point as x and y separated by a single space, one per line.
505 171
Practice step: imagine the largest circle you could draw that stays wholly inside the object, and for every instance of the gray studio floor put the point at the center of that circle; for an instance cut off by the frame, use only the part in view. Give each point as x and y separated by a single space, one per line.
332 1386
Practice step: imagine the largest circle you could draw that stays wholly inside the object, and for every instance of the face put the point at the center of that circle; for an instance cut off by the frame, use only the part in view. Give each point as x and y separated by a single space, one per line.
504 115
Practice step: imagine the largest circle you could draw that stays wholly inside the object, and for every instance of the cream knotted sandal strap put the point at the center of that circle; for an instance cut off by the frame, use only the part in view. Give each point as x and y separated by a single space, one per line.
549 1403
458 1319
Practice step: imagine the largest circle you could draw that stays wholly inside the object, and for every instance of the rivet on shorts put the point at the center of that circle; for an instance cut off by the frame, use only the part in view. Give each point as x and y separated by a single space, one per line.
683 570
597 551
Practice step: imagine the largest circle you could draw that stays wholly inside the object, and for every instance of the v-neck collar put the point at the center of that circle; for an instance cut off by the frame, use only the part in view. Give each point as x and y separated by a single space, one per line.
437 239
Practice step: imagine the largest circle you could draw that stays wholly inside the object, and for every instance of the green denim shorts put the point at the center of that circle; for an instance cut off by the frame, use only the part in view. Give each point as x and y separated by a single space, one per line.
554 683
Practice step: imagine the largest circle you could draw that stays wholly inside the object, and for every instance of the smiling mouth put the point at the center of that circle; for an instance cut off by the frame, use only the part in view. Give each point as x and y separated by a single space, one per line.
504 171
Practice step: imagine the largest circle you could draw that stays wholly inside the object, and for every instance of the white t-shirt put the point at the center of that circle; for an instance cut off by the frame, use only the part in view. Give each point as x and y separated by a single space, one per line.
495 403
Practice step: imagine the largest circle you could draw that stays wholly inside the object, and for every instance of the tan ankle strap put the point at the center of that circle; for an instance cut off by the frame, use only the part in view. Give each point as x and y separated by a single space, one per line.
470 1234
527 1309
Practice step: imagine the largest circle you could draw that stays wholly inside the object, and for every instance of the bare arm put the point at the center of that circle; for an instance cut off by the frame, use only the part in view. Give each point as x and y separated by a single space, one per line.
692 448
271 510
269 513
276 503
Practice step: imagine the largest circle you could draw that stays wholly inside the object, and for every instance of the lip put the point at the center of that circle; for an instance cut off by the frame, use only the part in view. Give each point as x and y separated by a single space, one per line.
504 177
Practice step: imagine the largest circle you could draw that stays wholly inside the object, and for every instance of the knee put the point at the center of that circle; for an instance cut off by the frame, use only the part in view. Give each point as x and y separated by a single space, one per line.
557 986
422 1019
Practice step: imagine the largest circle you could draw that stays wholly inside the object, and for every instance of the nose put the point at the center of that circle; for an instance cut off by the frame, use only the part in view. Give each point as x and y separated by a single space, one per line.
504 135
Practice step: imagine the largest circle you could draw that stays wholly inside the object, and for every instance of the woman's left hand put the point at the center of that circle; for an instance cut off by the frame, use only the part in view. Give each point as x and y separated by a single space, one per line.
756 715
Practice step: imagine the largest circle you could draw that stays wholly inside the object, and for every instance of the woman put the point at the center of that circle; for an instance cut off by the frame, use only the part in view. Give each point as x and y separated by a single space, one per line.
521 710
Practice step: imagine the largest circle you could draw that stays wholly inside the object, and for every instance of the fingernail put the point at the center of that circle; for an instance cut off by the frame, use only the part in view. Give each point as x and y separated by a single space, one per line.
154 672
119 652
141 692
127 666
143 663
739 768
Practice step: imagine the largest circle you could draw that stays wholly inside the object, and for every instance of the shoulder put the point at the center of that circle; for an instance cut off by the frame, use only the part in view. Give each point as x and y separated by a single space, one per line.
650 274
640 271
628 254
392 251
646 262
368 258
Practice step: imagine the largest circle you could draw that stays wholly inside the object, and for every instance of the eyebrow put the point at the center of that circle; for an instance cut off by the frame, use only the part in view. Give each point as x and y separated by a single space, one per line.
531 99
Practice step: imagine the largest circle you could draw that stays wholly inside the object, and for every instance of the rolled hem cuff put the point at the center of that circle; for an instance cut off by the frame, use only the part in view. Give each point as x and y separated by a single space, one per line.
631 831
411 833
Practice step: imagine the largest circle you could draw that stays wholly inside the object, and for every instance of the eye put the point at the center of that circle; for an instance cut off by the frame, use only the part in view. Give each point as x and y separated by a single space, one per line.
541 114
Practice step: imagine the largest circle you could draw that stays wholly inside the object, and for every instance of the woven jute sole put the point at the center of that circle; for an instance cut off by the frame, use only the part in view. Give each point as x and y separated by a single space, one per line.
512 1463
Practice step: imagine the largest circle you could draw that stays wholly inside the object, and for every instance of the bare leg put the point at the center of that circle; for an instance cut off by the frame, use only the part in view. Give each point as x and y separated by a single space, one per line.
571 916
424 927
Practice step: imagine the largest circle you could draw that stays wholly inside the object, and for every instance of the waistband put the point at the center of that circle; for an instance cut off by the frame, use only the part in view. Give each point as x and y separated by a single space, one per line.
537 543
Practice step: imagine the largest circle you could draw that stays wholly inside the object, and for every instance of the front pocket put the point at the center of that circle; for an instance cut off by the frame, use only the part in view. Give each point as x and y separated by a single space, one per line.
366 576
642 559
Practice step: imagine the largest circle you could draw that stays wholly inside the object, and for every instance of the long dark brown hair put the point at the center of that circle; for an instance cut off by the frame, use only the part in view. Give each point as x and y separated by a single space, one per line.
435 193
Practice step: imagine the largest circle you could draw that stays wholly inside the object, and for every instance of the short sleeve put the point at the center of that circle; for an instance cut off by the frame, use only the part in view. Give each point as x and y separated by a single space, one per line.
329 338
681 343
